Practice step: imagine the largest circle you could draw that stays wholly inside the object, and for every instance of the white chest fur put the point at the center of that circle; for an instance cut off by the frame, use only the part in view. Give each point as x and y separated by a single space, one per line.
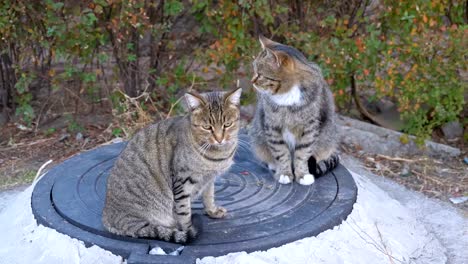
289 138
293 97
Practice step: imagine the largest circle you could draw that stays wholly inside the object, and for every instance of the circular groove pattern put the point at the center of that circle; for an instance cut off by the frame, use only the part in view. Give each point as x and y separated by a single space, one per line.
261 212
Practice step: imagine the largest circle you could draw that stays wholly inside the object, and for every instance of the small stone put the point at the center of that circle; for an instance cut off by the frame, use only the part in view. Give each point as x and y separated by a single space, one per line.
157 251
86 141
23 128
377 166
64 137
79 136
117 140
466 160
459 200
405 172
384 105
177 251
452 130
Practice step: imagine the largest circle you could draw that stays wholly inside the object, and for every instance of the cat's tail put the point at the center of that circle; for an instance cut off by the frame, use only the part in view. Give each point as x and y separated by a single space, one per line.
322 167
172 234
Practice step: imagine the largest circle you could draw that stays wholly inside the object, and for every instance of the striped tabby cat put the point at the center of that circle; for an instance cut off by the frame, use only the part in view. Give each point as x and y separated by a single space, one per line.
294 123
165 166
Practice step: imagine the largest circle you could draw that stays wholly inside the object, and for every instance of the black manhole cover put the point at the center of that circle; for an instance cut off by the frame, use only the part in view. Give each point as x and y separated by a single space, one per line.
261 212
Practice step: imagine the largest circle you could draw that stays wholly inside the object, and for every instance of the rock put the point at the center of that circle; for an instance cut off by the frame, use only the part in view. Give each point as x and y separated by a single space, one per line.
177 251
63 137
384 105
117 140
79 136
379 140
157 251
23 128
458 200
405 172
452 130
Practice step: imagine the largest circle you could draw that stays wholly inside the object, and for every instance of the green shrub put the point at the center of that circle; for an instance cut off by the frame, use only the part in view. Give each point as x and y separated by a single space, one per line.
409 51
405 51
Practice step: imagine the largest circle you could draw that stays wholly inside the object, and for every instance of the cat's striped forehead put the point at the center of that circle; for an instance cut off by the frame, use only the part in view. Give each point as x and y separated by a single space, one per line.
215 100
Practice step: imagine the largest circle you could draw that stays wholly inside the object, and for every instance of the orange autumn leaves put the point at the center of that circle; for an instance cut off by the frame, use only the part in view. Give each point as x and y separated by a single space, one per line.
223 47
360 44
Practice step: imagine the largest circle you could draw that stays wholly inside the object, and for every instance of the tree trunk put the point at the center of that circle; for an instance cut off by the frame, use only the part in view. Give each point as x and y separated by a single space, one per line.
7 85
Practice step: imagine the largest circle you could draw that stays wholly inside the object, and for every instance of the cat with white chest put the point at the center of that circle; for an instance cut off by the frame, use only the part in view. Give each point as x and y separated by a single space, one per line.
294 122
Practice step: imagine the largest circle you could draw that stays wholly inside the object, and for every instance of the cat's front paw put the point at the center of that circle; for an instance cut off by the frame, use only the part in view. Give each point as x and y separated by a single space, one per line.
307 179
192 232
216 212
284 179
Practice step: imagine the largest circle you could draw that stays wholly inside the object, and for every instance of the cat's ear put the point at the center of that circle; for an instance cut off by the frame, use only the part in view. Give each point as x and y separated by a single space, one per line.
283 59
194 100
233 97
266 42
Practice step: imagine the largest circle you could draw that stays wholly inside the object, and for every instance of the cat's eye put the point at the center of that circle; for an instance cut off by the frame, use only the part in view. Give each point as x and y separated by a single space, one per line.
206 127
227 124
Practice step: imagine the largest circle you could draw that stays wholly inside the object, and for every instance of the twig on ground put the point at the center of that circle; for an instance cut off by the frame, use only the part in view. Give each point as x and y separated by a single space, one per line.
372 241
27 144
383 244
387 169
398 158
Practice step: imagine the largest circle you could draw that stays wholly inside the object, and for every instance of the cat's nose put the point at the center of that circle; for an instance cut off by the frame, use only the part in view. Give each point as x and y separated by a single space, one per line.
218 137
254 78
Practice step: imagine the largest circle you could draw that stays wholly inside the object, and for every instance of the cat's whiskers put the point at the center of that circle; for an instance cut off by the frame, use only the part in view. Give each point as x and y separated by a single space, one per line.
205 147
202 147
208 146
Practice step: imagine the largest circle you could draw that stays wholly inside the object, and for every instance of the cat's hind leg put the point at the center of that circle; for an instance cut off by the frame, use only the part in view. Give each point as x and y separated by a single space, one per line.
139 227
324 165
171 234
325 151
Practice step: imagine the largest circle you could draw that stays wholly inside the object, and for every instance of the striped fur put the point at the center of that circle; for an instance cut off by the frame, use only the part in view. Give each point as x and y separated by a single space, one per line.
166 165
294 123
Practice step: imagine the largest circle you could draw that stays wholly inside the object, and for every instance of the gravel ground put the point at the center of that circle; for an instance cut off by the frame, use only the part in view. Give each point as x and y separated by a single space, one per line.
389 224
448 224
